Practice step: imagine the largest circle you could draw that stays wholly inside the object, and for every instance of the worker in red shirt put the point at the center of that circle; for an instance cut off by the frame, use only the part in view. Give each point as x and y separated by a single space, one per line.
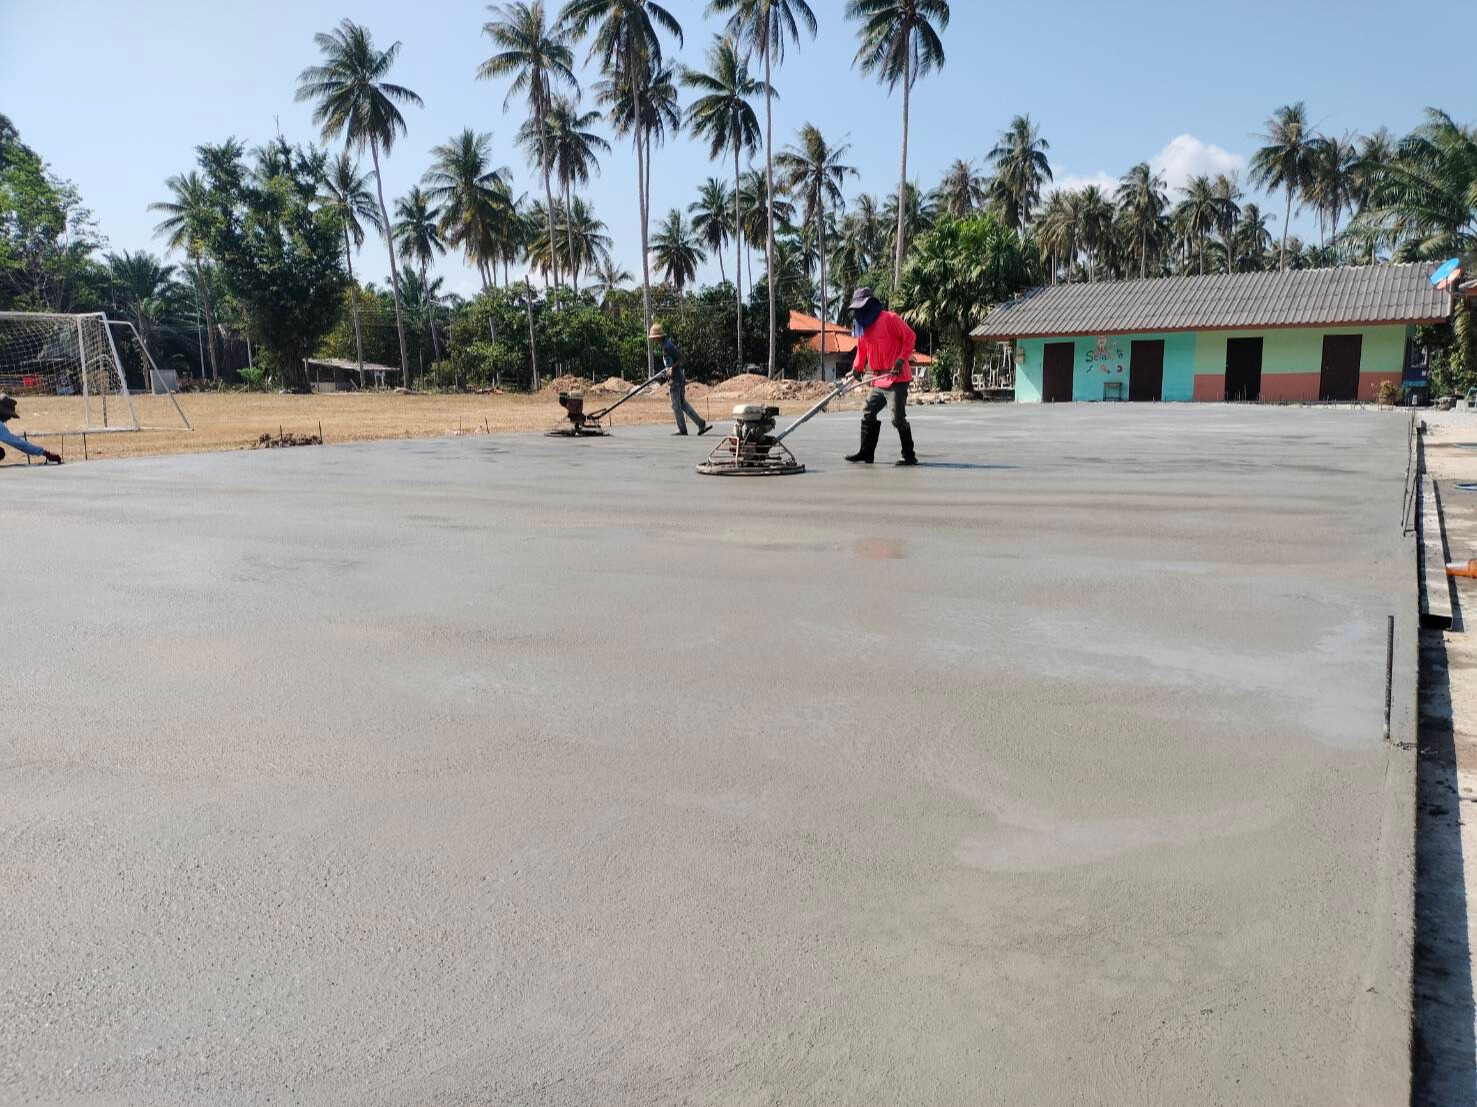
884 345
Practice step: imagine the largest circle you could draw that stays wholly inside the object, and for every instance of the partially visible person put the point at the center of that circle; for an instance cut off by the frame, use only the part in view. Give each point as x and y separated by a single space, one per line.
884 346
677 382
10 438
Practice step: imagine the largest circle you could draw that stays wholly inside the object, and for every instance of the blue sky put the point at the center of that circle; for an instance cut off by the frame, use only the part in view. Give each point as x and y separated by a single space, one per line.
115 96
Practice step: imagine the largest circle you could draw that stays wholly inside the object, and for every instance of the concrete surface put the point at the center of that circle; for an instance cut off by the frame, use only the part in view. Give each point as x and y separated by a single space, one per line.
521 771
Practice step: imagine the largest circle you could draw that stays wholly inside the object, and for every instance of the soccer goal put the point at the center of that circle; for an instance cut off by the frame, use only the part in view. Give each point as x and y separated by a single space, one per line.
76 357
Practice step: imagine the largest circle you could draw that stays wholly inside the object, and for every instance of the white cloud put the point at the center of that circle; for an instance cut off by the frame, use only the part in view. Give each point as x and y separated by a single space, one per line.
1071 182
1181 158
1186 156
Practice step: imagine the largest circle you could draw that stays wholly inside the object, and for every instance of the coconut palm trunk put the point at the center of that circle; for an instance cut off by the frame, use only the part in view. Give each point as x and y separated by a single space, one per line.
738 251
379 187
574 268
204 296
532 343
769 202
1286 219
543 157
430 316
641 190
820 217
354 301
902 188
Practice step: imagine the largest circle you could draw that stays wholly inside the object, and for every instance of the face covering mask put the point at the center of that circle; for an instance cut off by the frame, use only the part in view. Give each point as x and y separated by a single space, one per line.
868 315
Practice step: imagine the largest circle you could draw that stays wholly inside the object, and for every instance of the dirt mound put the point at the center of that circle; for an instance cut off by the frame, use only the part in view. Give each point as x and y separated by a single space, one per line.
744 384
695 391
798 390
616 386
752 386
566 384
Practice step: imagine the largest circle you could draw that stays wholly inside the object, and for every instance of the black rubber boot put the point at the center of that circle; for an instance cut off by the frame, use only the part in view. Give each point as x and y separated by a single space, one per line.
905 436
868 447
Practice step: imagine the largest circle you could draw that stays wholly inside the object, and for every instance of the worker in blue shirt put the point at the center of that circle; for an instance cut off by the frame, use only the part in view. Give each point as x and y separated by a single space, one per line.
677 381
8 438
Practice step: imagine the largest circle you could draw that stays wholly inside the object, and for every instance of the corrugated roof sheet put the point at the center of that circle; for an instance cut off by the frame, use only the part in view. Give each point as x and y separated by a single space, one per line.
1346 296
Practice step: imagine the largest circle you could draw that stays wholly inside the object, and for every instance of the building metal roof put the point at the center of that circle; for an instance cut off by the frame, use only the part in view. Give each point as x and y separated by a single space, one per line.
1346 296
345 363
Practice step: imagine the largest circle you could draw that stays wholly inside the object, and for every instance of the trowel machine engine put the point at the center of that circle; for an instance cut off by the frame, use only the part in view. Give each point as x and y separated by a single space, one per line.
753 428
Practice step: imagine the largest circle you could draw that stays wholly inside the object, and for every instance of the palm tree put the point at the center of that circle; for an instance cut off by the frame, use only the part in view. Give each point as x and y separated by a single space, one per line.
572 150
1331 183
767 25
756 204
1199 213
1056 231
915 216
589 245
470 194
143 290
656 91
1286 161
1021 168
814 174
723 115
712 218
900 44
868 228
346 191
422 297
626 41
1423 202
354 99
537 57
1226 188
185 225
677 250
1141 199
418 236
1094 225
1253 239
961 192
609 276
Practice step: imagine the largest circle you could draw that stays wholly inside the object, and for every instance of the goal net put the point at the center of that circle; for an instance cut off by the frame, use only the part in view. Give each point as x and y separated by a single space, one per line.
72 357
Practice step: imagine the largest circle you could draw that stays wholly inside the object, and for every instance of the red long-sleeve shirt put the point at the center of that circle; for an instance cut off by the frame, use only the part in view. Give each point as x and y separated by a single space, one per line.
880 346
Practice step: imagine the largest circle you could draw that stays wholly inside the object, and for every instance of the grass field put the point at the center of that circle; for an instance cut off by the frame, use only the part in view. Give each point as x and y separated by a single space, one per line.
236 420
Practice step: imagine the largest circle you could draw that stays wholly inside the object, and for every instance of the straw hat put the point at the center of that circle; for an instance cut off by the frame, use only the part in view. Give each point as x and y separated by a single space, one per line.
656 331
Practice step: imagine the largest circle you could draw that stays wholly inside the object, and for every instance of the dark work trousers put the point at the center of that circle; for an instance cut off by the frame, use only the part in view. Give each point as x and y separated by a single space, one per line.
895 397
680 406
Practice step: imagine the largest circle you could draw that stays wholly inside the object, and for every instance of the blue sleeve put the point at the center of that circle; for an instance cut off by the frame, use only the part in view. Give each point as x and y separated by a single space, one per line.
9 439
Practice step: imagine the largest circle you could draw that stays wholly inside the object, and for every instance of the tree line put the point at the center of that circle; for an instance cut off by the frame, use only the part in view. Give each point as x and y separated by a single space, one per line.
268 239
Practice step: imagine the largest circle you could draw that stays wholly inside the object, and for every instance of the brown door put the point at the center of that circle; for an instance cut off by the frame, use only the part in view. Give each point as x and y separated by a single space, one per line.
1339 380
1244 369
1146 371
1056 372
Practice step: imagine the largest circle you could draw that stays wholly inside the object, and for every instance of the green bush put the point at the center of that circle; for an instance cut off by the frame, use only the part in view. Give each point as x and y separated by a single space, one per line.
255 380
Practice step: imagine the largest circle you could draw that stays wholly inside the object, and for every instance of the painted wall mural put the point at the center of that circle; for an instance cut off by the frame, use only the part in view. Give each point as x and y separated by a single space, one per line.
1106 356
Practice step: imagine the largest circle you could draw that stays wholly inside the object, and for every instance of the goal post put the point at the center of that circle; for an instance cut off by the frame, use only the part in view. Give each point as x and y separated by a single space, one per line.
74 358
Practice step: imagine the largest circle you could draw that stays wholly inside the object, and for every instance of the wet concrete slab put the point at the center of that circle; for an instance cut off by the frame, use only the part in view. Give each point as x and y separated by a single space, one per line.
515 770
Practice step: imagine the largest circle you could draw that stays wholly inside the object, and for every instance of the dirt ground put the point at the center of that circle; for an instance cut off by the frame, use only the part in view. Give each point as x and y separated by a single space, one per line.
237 420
